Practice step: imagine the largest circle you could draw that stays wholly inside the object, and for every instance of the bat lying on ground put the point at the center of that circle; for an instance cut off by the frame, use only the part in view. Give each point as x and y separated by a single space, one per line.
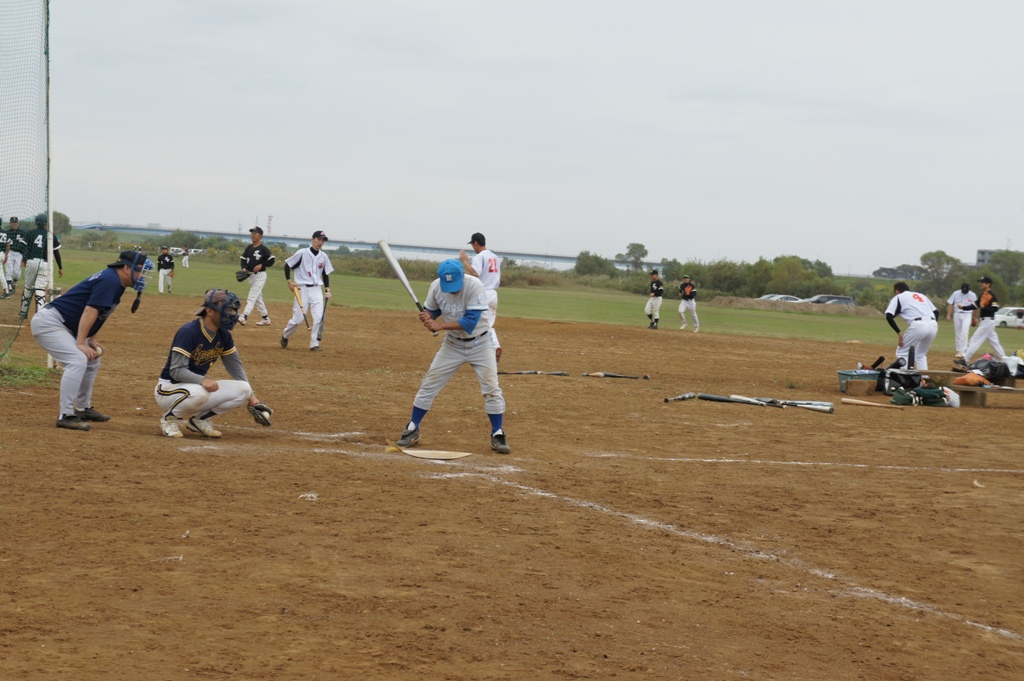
770 403
399 272
607 374
723 398
865 403
681 398
536 373
813 405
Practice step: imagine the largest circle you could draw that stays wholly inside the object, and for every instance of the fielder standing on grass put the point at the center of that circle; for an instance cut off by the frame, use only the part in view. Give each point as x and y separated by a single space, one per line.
311 267
4 242
16 247
985 307
486 267
256 259
654 299
37 265
165 269
67 326
688 293
922 323
456 303
960 317
184 392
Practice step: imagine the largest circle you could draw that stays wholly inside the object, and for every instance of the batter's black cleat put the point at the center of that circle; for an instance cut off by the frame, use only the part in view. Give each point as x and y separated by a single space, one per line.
284 342
499 444
72 422
409 438
90 414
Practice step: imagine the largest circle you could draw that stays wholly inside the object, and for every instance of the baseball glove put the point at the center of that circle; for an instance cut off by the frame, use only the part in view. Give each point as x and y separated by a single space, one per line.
261 413
242 275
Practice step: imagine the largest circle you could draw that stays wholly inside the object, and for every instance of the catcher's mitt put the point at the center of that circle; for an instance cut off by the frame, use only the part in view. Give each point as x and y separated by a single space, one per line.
261 413
242 275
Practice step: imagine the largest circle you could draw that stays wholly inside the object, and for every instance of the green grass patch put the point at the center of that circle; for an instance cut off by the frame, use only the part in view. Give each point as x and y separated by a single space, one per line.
12 376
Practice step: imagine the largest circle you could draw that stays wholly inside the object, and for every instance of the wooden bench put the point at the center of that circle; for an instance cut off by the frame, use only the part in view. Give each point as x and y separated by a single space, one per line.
977 396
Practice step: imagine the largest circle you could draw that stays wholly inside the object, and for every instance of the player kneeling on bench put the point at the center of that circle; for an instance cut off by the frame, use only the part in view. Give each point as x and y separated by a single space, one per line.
184 391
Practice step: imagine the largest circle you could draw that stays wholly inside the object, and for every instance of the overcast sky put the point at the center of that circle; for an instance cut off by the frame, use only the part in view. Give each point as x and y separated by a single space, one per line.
861 133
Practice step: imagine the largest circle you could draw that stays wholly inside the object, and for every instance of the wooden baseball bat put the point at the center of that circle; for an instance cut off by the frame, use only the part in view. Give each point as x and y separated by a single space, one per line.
681 398
399 272
769 403
298 299
865 403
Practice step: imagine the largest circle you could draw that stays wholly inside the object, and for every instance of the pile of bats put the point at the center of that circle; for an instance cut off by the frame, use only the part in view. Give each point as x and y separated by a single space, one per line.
812 405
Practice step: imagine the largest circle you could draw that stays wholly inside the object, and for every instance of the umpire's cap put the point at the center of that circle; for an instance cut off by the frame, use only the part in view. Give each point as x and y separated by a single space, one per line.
450 274
478 238
134 259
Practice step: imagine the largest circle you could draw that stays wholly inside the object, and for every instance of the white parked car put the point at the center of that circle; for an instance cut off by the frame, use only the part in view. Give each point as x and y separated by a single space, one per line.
174 250
1007 316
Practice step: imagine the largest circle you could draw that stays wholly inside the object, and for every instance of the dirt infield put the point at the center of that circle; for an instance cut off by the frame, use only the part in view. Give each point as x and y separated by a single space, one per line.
623 538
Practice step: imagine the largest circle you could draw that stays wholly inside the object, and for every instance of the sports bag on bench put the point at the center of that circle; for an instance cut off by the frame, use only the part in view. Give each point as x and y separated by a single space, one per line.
890 379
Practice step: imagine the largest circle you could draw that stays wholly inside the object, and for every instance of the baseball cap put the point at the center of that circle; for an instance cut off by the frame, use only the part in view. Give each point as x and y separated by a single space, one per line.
319 234
478 238
257 230
450 274
985 280
14 219
687 276
136 259
653 272
163 248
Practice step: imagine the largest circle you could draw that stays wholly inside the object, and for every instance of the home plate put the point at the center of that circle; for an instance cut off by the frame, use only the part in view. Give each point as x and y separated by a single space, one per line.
425 453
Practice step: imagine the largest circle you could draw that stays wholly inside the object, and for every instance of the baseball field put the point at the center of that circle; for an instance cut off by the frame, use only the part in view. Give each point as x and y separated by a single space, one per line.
623 537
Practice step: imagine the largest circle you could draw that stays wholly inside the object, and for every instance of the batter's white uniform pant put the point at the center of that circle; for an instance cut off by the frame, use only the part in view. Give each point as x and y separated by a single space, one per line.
188 399
79 372
961 331
986 331
919 335
312 300
37 279
492 311
691 307
13 267
256 283
653 307
165 275
453 353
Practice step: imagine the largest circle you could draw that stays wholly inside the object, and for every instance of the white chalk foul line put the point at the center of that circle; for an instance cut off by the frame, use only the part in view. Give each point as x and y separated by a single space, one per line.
743 549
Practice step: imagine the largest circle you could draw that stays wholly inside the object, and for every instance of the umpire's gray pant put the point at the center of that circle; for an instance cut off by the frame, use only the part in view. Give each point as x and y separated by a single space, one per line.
79 373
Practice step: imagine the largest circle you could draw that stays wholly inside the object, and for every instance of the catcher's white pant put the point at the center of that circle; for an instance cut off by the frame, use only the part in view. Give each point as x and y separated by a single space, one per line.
691 307
13 266
986 331
453 353
961 331
165 275
492 311
188 399
37 280
653 307
312 300
256 282
79 373
919 335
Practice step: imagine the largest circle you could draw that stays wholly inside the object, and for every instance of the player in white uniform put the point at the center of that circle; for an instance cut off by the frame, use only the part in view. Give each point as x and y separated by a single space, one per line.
311 267
456 303
486 267
960 317
688 293
923 323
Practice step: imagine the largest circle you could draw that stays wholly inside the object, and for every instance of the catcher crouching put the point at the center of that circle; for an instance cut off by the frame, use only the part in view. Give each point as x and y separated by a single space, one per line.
184 393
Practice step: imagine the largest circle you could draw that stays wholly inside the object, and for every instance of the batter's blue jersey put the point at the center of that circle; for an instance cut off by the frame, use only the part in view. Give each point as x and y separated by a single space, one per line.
202 348
102 291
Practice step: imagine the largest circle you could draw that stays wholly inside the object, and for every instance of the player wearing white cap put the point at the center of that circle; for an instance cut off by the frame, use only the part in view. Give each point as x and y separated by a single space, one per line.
486 267
922 323
456 304
311 267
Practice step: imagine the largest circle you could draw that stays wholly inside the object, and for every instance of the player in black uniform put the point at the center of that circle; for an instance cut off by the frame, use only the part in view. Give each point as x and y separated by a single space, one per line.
165 269
16 247
37 265
654 300
688 293
256 258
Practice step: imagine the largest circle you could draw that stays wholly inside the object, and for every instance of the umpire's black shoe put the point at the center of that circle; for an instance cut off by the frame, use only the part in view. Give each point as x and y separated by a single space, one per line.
90 414
499 444
409 438
72 422
284 342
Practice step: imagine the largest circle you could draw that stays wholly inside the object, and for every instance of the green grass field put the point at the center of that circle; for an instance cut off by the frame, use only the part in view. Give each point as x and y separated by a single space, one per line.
586 305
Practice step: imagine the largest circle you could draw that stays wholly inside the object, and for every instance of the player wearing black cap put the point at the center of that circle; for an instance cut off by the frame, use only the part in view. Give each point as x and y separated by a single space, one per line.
986 308
256 259
654 300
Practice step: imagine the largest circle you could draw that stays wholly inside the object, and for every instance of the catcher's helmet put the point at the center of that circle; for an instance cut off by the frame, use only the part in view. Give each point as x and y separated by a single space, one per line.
41 220
224 302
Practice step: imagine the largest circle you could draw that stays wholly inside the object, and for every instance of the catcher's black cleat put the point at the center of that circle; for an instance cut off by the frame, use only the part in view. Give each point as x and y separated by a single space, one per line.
409 438
499 444
72 422
284 342
90 414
